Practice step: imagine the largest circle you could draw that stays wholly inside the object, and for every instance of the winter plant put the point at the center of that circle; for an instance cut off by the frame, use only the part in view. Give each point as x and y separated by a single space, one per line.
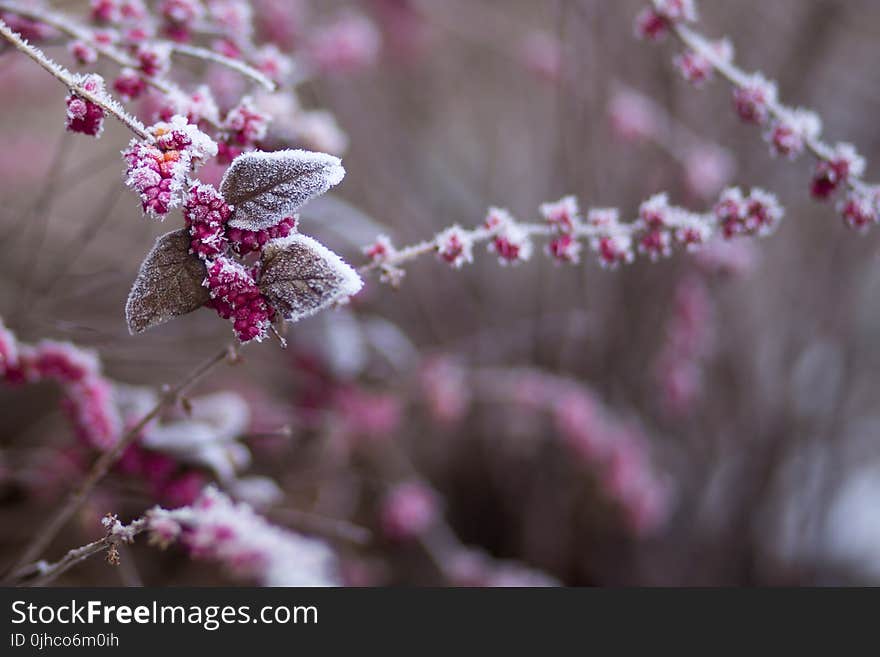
240 248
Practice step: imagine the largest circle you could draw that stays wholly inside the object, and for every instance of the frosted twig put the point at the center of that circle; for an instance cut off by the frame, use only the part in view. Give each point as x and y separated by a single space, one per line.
102 100
789 130
104 462
658 227
41 573
234 64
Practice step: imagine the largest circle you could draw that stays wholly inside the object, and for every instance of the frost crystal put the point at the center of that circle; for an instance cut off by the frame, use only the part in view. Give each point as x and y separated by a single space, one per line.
300 276
169 283
266 187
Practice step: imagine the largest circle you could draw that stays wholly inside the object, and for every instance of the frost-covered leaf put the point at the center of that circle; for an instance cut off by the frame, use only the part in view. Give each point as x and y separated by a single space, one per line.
300 276
266 187
168 284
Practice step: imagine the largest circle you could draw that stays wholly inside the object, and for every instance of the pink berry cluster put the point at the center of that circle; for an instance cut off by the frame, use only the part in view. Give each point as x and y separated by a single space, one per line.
654 22
756 214
687 344
233 287
83 115
788 130
168 480
217 529
510 242
87 396
247 241
179 17
205 213
658 228
235 296
158 171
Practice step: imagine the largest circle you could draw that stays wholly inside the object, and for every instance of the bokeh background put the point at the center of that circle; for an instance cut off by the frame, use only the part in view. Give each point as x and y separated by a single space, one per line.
752 460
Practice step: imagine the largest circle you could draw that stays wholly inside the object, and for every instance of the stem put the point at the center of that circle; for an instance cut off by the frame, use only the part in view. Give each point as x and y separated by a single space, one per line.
68 26
477 236
104 101
44 573
104 462
223 60
738 78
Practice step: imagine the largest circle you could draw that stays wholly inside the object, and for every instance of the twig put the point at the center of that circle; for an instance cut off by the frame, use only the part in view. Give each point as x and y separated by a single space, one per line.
43 573
234 64
738 78
104 101
103 464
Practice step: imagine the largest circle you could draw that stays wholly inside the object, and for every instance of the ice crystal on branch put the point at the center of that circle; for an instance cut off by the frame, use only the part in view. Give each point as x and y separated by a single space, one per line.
168 285
300 276
266 187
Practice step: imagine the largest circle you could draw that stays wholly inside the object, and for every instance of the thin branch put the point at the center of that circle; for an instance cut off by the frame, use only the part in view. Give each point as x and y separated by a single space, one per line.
104 101
738 78
234 64
102 465
41 573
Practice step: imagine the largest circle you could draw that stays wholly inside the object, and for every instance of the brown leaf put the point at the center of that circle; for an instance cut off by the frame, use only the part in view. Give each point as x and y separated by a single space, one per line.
300 276
168 284
266 187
